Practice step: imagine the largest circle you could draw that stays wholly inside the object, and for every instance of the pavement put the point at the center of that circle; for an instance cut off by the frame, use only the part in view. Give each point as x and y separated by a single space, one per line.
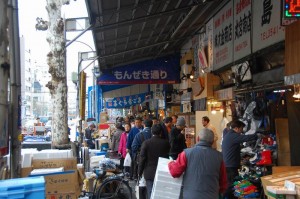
132 184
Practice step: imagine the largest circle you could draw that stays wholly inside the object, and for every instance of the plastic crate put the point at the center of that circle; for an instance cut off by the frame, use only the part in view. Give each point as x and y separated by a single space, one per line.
101 153
25 188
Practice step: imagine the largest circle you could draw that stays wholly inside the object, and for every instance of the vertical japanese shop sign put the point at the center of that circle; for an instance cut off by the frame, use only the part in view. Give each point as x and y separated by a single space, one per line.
266 24
203 51
210 42
223 37
242 29
195 46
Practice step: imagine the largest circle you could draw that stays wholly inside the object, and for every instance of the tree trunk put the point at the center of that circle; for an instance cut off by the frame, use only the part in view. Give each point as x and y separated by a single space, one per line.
57 69
4 73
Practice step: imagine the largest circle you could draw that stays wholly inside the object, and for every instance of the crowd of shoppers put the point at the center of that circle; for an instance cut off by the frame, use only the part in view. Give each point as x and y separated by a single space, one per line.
207 173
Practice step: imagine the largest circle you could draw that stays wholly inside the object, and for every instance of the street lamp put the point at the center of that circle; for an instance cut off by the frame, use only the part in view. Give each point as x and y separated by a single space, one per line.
83 56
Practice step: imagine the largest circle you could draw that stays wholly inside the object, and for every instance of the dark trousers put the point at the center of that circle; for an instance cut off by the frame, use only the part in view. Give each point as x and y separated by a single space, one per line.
149 185
231 173
133 168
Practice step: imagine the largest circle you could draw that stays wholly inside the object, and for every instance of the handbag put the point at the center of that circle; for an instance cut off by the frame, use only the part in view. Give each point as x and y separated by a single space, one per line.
127 160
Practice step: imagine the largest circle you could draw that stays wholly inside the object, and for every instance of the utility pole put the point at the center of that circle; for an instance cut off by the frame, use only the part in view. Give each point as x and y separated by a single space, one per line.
4 73
15 89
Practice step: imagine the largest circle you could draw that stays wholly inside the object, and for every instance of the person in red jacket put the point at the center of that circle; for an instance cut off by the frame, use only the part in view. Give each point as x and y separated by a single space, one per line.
203 168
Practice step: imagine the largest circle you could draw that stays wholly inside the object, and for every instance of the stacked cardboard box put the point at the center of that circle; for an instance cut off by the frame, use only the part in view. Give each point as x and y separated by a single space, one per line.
61 184
279 179
165 186
66 184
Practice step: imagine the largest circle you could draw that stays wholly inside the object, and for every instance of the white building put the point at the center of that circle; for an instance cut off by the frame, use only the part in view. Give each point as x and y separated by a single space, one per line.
35 95
26 79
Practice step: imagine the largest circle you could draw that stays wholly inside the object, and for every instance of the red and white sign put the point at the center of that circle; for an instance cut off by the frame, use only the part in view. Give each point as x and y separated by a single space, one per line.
210 42
242 29
223 37
202 52
267 29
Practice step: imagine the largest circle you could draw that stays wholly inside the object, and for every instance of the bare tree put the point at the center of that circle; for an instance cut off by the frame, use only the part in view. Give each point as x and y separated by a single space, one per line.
57 69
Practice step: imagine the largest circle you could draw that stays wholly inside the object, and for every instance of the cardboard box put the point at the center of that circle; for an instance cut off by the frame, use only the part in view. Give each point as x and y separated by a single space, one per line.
25 172
67 163
64 182
279 179
281 169
62 196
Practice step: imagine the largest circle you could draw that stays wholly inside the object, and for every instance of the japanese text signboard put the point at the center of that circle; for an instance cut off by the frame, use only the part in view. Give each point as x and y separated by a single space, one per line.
266 24
164 70
242 29
210 42
126 101
223 37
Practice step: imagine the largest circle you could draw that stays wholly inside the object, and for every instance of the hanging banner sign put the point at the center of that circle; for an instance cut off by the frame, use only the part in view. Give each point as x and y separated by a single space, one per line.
165 70
242 29
223 37
126 101
267 29
210 42
203 52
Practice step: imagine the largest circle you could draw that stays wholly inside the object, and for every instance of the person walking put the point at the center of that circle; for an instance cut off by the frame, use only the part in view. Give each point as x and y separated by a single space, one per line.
122 145
177 139
138 127
166 126
206 124
203 168
174 120
141 137
151 150
89 132
116 137
231 150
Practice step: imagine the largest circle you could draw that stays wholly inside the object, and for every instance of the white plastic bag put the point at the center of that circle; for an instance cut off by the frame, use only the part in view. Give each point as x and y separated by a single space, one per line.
142 182
140 188
127 160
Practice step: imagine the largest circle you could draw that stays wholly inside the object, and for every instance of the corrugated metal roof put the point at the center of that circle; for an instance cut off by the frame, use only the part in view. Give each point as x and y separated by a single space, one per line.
129 31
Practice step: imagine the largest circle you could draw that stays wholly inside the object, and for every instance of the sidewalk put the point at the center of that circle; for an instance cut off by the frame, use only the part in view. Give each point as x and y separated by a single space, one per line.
132 184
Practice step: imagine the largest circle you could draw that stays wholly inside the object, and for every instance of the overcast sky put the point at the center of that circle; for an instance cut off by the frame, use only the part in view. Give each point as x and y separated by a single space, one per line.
36 40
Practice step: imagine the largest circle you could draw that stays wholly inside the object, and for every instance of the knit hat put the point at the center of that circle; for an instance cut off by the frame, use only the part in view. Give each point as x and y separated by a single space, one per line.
180 121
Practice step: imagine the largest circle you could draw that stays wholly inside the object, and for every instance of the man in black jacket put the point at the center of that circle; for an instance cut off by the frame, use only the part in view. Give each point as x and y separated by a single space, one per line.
151 150
231 149
177 138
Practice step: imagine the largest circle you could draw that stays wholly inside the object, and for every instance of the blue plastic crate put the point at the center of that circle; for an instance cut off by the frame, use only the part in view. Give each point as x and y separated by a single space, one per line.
101 153
23 188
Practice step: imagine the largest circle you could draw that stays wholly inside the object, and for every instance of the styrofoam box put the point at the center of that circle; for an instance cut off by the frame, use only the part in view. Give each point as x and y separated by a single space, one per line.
165 186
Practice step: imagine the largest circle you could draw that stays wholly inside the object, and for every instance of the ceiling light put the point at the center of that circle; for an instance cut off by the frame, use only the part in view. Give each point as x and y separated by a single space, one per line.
213 110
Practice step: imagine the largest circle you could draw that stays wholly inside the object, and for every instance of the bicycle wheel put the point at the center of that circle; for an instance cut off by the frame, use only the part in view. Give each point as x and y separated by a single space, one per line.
114 189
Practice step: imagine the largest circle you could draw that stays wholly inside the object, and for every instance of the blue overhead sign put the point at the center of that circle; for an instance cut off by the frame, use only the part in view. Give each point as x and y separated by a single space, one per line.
126 101
164 70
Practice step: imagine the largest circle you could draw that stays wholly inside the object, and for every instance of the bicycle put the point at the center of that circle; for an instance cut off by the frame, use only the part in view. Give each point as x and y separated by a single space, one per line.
114 186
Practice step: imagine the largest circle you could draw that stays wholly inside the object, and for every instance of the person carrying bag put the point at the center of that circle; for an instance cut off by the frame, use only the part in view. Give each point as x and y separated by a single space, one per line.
140 188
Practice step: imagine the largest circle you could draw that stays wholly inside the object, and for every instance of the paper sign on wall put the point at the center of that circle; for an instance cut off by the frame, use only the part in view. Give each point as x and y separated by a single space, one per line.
266 24
223 37
242 29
